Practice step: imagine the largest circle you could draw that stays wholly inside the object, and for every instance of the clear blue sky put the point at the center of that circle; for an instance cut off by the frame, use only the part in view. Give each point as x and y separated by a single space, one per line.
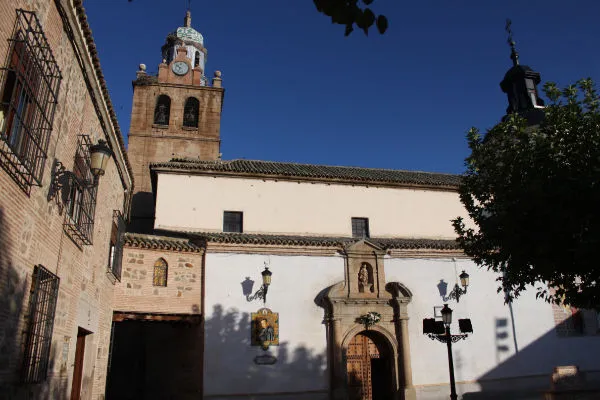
297 90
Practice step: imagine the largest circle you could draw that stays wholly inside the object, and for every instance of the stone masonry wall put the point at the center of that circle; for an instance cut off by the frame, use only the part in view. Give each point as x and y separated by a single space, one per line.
31 233
136 292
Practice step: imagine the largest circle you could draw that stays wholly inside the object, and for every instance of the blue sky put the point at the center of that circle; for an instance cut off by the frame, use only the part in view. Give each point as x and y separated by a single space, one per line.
297 90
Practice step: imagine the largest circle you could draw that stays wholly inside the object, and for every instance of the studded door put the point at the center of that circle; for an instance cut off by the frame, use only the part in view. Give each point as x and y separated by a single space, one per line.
361 351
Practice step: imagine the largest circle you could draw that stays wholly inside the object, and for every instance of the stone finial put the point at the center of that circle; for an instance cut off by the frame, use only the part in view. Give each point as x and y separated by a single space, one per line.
217 81
187 21
141 71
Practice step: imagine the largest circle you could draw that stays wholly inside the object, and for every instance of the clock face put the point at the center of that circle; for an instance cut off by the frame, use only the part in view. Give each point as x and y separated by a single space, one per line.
180 67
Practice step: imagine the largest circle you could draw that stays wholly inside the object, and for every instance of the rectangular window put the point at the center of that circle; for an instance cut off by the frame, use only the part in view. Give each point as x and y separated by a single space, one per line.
40 323
115 249
81 207
360 227
233 221
29 94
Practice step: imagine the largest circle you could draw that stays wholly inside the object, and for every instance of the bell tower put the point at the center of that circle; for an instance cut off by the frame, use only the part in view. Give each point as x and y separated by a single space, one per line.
520 85
175 114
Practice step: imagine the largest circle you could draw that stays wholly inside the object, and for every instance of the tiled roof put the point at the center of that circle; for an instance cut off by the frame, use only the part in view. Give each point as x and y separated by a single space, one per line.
179 244
87 33
159 242
312 171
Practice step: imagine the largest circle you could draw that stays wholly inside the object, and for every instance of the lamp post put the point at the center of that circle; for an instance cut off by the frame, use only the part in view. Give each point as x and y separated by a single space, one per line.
440 331
262 292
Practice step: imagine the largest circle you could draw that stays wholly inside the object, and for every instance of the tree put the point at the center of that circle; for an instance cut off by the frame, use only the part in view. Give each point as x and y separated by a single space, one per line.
350 12
533 193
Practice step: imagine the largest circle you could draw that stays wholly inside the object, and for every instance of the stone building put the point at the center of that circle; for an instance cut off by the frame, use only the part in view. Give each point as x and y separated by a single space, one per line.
356 258
60 218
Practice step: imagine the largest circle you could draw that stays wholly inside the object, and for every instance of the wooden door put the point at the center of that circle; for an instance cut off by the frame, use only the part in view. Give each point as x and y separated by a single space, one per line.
78 370
361 351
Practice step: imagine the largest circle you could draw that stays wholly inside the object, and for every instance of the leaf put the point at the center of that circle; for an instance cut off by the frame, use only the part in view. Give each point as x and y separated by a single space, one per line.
382 24
349 30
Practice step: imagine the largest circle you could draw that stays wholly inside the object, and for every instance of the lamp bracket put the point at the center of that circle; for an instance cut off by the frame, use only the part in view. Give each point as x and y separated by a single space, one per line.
444 338
259 294
455 294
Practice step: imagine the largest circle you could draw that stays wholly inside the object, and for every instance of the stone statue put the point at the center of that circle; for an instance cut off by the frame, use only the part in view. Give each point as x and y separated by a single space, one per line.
363 279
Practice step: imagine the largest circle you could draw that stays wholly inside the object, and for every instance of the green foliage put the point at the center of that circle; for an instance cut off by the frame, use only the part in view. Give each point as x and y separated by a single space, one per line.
534 196
350 13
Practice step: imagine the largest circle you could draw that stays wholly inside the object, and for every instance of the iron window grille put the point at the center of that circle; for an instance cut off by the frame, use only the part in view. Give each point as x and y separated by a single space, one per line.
115 252
360 227
161 270
30 85
233 221
38 336
79 221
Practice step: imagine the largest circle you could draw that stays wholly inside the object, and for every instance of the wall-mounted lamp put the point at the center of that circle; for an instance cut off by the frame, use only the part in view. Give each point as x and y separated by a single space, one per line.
99 154
457 291
262 292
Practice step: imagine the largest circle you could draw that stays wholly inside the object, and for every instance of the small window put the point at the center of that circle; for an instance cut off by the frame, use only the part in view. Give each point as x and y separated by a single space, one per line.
40 323
360 227
115 248
233 221
190 112
30 84
197 59
162 111
161 270
81 207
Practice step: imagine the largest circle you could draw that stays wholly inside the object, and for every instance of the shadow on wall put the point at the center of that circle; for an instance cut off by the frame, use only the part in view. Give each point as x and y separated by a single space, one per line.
13 287
533 366
230 367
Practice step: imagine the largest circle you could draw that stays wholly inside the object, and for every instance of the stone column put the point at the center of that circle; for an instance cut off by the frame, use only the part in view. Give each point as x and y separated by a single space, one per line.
409 390
338 377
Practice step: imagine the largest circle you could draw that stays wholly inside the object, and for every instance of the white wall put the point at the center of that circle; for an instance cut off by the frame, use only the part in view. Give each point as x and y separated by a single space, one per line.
302 359
196 203
489 353
297 280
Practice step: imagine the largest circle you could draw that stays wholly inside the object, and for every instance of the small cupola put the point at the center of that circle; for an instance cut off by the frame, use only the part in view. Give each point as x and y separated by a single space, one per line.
520 85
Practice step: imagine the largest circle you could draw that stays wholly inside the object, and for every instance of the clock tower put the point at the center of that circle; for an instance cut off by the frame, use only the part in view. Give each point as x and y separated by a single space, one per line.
175 114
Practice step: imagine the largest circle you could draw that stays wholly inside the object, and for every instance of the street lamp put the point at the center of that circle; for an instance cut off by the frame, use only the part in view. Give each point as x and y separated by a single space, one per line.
99 155
457 291
440 331
262 292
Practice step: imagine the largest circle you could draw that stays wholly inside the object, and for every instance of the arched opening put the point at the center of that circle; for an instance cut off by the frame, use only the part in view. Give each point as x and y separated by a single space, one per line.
162 110
161 270
369 367
197 59
190 112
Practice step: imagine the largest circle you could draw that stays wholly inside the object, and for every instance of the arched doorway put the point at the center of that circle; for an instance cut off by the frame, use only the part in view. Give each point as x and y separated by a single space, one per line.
369 369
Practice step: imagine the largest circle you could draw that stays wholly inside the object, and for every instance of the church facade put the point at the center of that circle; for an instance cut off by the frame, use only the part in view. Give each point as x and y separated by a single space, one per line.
257 279
236 278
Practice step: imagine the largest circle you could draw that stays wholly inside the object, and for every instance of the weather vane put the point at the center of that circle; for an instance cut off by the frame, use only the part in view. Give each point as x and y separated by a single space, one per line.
511 42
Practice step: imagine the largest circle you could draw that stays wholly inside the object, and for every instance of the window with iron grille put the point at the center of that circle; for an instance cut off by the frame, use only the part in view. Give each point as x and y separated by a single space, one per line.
115 251
40 322
360 227
161 270
233 221
30 84
79 222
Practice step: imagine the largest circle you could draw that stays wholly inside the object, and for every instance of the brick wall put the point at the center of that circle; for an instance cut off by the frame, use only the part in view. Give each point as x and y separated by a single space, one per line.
31 232
136 292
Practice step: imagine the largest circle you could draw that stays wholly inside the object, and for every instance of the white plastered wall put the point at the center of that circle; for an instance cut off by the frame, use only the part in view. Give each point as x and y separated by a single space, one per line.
196 203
